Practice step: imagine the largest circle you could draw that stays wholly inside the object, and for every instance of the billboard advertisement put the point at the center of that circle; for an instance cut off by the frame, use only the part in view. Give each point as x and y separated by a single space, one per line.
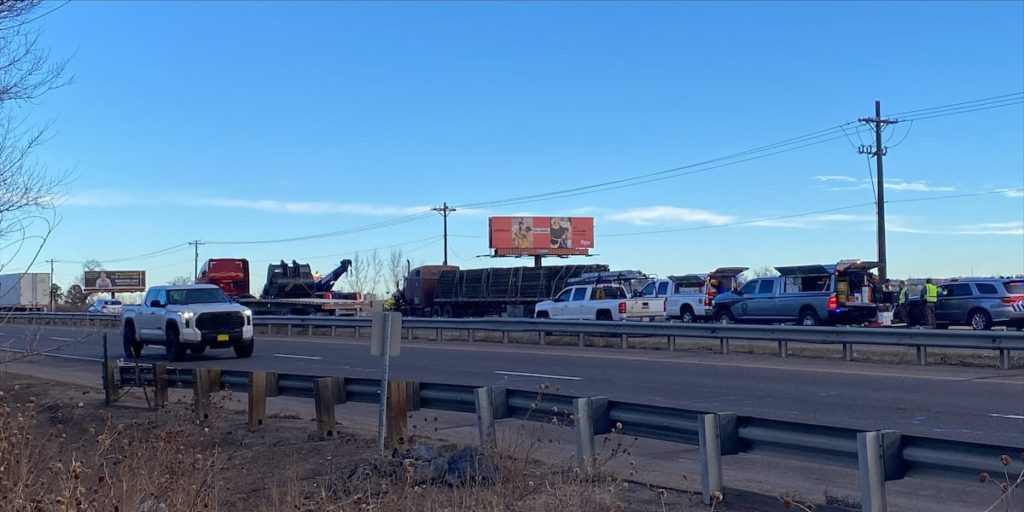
539 236
114 281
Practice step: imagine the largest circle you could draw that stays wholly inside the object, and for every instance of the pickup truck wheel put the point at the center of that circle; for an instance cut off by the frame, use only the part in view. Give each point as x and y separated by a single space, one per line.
724 317
173 347
687 316
604 315
809 318
543 315
132 346
244 350
980 321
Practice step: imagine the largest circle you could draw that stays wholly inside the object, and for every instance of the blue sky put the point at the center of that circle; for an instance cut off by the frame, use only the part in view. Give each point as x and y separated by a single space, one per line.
236 121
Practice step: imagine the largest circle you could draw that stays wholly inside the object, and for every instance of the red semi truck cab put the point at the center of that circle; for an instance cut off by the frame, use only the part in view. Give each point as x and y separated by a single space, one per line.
229 274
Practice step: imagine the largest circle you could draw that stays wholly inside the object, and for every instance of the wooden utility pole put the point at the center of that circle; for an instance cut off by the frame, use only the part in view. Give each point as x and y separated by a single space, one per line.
195 271
53 298
878 150
445 211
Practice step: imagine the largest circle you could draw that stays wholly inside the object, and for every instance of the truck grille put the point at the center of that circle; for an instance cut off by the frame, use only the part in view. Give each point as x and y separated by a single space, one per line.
220 321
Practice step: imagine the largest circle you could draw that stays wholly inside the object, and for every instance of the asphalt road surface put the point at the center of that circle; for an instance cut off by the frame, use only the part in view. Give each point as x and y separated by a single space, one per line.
970 404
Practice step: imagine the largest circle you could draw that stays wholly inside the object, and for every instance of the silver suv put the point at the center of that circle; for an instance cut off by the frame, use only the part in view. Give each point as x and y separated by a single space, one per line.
978 303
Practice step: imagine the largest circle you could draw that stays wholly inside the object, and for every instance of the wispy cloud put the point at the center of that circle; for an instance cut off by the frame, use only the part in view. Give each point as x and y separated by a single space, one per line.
652 215
915 186
816 221
111 198
1012 192
991 228
836 178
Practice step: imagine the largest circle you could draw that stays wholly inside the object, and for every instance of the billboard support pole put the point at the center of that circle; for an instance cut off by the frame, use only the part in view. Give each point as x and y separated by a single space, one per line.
537 261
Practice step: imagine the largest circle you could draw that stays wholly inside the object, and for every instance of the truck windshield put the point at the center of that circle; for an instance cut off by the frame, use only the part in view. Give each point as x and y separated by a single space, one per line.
196 296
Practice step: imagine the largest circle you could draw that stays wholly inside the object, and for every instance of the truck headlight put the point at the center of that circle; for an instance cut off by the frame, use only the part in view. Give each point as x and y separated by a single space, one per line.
248 316
186 318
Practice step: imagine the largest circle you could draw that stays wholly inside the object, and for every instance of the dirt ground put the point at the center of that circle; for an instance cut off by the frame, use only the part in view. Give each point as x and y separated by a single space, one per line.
62 449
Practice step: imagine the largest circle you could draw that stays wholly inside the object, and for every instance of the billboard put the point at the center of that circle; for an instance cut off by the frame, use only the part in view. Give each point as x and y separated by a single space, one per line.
114 281
540 236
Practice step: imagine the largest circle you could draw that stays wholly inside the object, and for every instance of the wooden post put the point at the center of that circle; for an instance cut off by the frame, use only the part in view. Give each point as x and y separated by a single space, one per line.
110 385
323 396
257 399
398 415
201 392
160 385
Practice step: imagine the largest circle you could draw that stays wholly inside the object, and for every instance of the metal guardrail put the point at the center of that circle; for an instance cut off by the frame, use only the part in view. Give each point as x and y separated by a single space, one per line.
881 456
1002 342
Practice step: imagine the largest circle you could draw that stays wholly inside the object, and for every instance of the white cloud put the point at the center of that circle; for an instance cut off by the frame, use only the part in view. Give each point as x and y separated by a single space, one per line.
915 186
991 228
651 215
113 198
815 221
1012 192
836 178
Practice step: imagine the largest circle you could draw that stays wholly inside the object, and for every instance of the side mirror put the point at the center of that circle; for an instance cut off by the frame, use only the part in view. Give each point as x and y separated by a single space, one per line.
155 304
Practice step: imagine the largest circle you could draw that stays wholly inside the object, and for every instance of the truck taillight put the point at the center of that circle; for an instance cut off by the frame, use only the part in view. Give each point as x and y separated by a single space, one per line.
832 302
1012 299
707 301
622 308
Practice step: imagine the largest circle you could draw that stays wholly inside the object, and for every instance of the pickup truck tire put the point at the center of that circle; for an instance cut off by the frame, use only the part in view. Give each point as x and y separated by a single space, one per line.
808 318
244 350
686 315
979 320
604 315
132 346
723 317
172 346
543 315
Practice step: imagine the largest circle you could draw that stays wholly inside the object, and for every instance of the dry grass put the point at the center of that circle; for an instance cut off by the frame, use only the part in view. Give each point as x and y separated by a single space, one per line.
61 451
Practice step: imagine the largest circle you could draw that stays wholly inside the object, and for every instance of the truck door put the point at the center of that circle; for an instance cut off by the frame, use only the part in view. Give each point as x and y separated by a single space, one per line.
151 319
762 304
744 309
577 308
561 307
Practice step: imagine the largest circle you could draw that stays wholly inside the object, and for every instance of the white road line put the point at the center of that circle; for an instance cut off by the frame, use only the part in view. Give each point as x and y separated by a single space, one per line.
297 357
61 339
541 375
1011 416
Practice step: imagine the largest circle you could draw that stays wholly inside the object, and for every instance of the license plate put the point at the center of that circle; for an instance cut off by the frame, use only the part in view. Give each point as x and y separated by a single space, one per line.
222 337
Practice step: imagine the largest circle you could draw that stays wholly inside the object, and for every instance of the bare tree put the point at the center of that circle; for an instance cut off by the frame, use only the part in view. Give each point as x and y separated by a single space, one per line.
180 280
376 272
358 274
28 193
396 267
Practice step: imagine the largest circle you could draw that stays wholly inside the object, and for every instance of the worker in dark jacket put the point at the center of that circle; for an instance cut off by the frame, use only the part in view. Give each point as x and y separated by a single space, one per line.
902 301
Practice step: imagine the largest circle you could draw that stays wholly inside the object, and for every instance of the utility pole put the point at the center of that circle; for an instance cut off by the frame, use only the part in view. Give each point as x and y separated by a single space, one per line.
53 298
195 272
878 150
445 211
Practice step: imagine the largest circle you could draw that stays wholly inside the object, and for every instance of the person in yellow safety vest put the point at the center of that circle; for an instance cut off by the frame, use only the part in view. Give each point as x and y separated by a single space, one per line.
930 295
902 300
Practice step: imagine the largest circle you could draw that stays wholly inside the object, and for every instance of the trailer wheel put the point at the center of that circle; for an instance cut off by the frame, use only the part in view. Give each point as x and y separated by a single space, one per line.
447 312
435 311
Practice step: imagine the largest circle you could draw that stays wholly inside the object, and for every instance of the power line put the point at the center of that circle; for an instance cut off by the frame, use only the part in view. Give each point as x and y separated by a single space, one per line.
359 229
967 111
980 100
956 196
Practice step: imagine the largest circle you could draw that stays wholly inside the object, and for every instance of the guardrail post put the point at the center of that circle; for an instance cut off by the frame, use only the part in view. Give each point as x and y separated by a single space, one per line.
201 392
1004 359
581 340
409 334
847 352
870 457
783 349
309 330
471 335
540 338
111 387
257 399
398 414
710 456
590 416
288 330
504 336
359 332
491 403
334 331
922 355
323 397
160 385
723 345
437 335
671 343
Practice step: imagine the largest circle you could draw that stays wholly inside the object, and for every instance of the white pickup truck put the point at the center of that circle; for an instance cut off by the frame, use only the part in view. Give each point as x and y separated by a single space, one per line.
190 317
688 298
599 302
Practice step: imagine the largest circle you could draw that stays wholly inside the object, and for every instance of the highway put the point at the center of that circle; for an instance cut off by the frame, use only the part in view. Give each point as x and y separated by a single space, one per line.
970 404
